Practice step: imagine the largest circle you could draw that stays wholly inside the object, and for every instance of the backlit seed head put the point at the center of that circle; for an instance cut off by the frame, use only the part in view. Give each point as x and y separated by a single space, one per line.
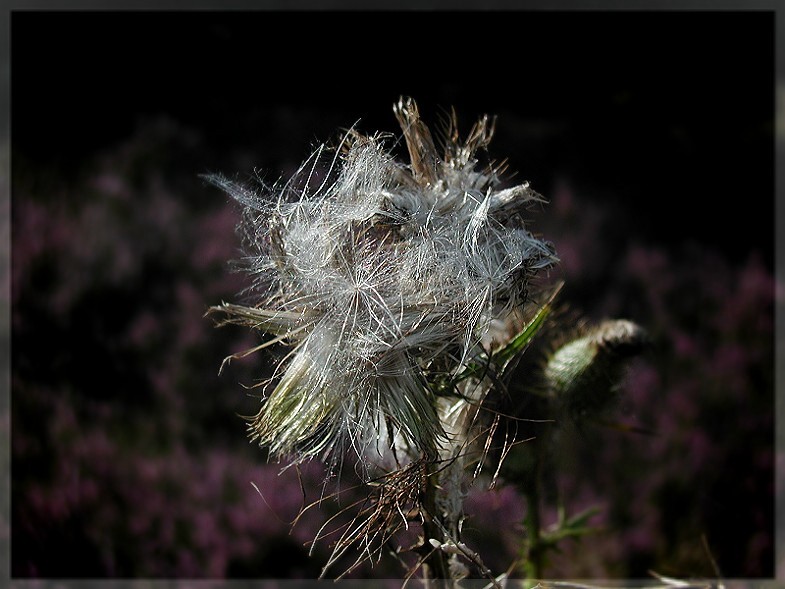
382 277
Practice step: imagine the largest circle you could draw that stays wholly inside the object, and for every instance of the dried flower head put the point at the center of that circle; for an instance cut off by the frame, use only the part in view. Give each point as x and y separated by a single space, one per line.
384 278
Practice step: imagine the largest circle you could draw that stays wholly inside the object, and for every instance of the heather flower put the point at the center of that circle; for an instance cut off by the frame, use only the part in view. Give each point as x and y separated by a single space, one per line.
384 278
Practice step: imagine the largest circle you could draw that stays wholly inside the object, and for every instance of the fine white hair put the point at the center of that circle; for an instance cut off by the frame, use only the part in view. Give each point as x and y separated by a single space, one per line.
383 277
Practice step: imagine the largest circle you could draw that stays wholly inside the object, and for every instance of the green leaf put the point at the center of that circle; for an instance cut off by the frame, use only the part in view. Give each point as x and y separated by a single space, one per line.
575 526
503 358
523 339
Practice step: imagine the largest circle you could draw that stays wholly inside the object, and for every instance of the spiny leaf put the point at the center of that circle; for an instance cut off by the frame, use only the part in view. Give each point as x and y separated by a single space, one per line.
519 343
572 527
516 346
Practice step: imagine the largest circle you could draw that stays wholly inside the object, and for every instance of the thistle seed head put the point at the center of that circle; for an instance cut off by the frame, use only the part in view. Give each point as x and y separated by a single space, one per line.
381 276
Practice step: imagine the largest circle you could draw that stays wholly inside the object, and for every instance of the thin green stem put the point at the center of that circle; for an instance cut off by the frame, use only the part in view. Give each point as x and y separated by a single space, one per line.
533 553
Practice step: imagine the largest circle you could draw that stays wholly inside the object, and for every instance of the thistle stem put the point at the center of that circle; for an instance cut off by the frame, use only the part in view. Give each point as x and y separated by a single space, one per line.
436 568
533 562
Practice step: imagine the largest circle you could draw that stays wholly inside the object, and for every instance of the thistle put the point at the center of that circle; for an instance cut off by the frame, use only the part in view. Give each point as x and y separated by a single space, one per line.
383 278
583 374
386 280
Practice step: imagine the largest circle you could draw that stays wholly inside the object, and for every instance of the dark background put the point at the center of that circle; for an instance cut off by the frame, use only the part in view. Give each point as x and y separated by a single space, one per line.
652 133
670 113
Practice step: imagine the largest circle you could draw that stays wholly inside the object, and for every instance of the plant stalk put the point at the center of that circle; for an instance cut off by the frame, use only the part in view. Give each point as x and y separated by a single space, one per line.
534 561
435 563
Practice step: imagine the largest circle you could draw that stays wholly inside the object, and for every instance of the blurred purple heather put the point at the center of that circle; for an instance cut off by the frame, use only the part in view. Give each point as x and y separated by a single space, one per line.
128 450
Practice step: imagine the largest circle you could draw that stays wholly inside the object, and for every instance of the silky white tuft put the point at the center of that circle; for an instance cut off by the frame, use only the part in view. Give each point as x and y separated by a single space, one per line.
384 278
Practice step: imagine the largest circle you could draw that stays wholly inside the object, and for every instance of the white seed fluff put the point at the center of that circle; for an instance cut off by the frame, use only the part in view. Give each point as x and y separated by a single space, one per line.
384 277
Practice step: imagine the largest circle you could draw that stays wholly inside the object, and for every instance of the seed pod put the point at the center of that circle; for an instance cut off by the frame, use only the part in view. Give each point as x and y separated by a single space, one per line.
584 373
